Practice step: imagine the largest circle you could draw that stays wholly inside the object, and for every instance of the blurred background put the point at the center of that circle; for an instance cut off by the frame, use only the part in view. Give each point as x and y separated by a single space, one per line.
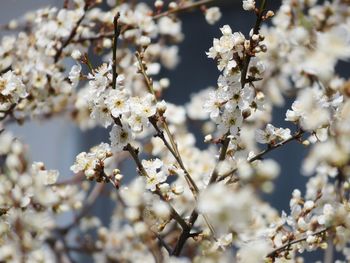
57 142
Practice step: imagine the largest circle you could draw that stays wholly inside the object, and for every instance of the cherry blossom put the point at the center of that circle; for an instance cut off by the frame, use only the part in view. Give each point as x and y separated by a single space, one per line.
173 199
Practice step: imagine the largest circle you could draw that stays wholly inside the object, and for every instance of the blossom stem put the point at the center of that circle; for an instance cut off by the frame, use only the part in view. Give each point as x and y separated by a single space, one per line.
296 136
173 149
162 242
145 75
174 214
222 156
72 33
248 54
134 153
188 178
194 215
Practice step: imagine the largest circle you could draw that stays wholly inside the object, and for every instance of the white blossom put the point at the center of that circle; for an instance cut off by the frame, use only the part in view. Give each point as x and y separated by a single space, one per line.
212 15
120 136
248 5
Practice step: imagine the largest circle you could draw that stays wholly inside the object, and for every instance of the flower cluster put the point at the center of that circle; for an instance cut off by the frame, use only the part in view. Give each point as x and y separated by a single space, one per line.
29 200
92 163
235 99
271 134
12 90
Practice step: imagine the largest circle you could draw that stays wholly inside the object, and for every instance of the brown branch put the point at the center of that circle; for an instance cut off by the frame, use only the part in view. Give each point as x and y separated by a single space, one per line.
179 9
248 55
8 112
273 254
192 185
182 8
134 154
163 243
115 43
222 157
186 233
296 136
260 155
72 33
84 249
173 149
5 70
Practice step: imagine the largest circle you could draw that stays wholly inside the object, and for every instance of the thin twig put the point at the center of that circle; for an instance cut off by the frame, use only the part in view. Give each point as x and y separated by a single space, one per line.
192 185
134 154
72 33
115 43
248 55
182 8
173 149
179 9
163 243
222 157
186 233
286 246
296 136
259 156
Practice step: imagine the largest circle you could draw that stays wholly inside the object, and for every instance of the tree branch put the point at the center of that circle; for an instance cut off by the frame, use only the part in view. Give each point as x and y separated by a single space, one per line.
173 149
179 9
175 215
182 8
73 33
115 43
248 55
273 254
259 156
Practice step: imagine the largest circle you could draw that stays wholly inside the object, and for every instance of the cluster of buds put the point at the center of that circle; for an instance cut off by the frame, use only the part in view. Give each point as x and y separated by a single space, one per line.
92 164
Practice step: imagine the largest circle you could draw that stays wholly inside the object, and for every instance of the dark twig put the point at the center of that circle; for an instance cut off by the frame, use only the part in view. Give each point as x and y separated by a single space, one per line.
259 156
179 9
296 136
163 243
248 55
135 155
173 148
273 254
115 43
72 33
182 8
